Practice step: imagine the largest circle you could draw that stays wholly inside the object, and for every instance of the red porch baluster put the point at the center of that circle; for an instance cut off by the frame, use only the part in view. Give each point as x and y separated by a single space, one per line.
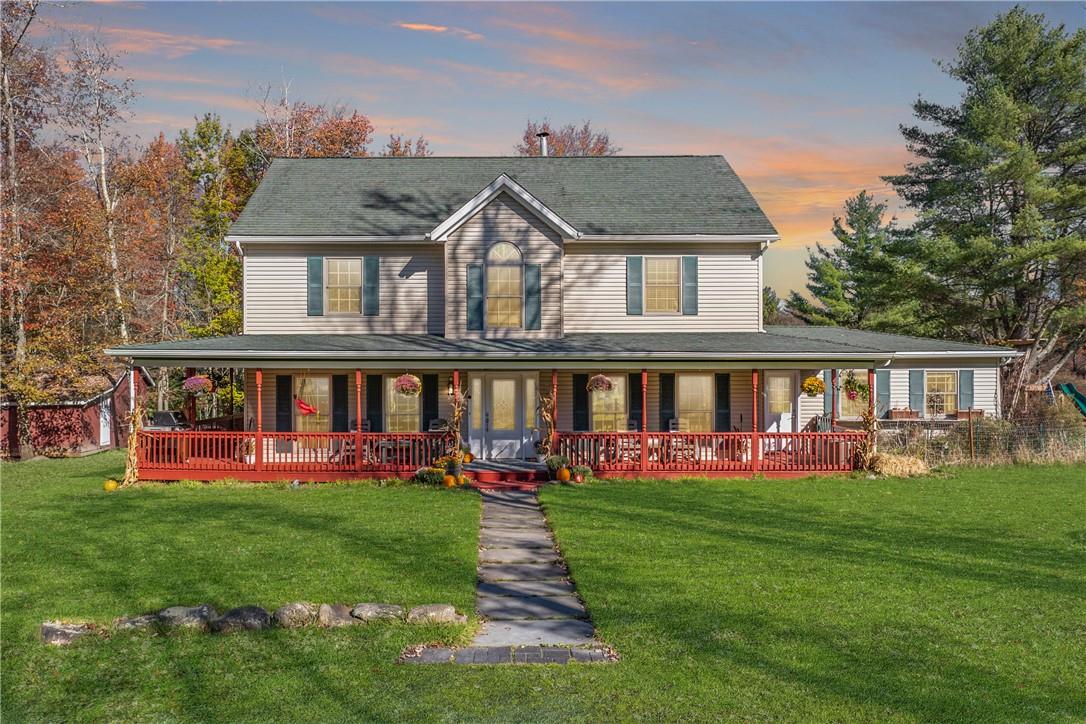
644 420
258 454
358 378
755 443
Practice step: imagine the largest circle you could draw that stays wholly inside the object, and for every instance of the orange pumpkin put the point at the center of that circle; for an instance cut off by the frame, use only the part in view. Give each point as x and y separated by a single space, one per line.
468 457
464 480
563 475
450 481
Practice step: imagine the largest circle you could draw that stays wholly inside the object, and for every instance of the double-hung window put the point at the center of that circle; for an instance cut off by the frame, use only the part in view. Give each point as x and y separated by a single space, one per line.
663 285
343 285
312 393
851 407
609 407
403 413
696 407
940 393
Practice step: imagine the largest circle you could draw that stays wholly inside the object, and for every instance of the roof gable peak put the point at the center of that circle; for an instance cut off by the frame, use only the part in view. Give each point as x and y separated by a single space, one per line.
503 183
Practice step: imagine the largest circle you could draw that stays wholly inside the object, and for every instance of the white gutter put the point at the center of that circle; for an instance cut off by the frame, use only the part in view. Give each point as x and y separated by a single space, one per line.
678 238
327 239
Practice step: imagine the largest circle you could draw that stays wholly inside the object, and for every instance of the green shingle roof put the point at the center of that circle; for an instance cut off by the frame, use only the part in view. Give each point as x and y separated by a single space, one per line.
410 196
776 342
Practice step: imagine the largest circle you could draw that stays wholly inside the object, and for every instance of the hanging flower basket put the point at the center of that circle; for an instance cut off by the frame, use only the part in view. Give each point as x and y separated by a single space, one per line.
197 385
813 386
407 385
600 383
853 387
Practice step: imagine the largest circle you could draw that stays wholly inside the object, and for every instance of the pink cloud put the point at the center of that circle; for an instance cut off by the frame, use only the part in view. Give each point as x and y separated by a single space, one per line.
154 42
440 29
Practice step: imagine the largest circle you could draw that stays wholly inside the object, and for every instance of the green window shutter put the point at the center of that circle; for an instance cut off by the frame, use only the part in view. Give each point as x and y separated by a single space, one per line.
827 396
690 285
371 286
339 403
580 403
882 393
633 389
723 416
476 301
667 400
916 391
533 303
429 401
315 301
634 285
375 409
965 389
284 403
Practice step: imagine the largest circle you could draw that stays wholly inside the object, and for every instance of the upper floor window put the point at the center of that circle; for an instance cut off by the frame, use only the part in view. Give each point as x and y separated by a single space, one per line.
504 287
663 285
343 282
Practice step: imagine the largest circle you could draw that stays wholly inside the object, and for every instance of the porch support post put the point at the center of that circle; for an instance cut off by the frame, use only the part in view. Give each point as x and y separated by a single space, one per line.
554 411
755 443
832 392
871 391
258 454
644 420
231 412
190 404
358 380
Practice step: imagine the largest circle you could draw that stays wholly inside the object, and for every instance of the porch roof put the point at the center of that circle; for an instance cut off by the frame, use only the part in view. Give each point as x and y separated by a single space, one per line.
785 344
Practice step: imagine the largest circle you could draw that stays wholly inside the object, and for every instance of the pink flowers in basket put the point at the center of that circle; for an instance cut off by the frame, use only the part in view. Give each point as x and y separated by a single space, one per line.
197 385
600 383
408 385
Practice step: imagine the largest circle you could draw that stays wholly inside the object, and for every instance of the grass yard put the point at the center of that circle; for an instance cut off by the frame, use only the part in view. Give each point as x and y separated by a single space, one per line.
954 598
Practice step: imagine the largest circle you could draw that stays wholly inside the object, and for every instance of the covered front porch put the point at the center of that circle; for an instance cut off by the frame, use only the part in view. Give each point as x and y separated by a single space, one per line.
665 421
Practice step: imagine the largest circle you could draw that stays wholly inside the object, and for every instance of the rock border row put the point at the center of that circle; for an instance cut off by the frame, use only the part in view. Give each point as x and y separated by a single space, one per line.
254 618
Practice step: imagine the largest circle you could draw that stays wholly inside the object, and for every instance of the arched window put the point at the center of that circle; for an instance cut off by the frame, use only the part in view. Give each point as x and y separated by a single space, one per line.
504 287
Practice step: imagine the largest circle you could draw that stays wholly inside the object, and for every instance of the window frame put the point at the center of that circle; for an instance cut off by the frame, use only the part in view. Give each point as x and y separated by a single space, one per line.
954 394
860 374
678 259
712 398
386 410
487 264
297 415
625 412
361 285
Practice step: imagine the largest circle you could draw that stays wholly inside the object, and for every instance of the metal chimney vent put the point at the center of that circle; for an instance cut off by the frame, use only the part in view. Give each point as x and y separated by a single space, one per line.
542 136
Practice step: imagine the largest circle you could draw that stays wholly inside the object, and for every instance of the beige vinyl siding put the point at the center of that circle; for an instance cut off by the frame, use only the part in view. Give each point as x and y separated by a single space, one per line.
412 289
594 288
504 219
809 407
444 404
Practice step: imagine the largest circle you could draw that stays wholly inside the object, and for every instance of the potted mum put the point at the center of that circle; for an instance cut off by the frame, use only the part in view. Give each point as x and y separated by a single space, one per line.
197 385
407 385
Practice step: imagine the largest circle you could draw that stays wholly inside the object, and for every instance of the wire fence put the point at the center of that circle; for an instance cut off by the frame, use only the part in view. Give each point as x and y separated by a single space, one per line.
986 442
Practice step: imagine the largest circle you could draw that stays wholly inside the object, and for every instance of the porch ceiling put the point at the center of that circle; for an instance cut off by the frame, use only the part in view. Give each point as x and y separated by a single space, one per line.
779 347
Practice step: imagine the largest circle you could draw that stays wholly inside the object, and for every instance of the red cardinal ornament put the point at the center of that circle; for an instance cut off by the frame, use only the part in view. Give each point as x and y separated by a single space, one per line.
304 407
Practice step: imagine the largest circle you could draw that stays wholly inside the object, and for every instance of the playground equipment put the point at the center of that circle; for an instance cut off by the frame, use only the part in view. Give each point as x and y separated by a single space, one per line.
1076 397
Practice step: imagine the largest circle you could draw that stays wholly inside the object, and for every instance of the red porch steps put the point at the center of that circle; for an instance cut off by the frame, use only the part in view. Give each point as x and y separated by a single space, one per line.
506 474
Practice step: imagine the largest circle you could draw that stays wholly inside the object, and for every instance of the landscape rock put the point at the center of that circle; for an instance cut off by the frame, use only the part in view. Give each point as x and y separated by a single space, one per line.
435 613
377 612
187 616
335 614
62 634
295 615
242 618
136 623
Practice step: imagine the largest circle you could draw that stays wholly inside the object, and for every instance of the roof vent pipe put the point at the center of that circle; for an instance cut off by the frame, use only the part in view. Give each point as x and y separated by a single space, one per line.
542 136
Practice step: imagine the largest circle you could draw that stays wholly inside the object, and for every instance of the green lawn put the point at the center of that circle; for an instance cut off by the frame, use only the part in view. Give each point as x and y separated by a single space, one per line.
950 598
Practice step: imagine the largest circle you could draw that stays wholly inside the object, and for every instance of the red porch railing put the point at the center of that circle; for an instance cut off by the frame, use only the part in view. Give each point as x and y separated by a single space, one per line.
217 453
711 452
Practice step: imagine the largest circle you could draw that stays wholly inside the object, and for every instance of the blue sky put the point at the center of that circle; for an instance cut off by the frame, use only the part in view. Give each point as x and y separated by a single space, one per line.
804 99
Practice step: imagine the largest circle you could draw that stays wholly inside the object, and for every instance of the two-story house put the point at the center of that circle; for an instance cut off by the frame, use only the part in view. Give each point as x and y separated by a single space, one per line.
514 282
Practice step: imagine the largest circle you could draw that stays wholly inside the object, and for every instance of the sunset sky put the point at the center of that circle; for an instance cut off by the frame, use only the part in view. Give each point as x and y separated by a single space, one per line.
804 99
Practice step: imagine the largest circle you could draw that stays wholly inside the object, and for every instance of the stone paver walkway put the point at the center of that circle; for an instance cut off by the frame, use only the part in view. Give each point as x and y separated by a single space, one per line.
531 610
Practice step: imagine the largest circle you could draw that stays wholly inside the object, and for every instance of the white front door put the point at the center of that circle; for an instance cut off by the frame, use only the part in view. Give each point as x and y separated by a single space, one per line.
501 405
105 422
780 401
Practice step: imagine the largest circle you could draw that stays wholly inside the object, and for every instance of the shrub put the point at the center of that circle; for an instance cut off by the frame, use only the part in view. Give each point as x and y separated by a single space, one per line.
582 470
557 462
430 476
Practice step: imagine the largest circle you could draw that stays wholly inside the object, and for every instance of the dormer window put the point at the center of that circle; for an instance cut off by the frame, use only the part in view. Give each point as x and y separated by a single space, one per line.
504 287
